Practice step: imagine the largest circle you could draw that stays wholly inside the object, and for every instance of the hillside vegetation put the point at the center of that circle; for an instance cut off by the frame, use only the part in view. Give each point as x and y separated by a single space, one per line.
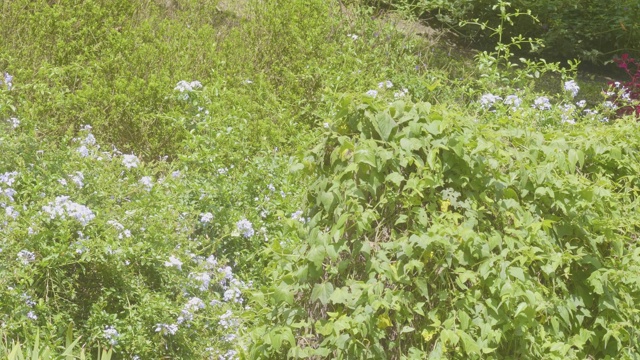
187 179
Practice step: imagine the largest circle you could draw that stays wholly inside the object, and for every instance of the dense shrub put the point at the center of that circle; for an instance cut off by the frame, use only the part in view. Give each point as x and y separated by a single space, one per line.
435 235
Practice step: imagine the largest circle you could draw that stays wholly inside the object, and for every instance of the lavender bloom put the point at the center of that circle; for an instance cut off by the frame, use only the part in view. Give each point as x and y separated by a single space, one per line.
572 86
245 227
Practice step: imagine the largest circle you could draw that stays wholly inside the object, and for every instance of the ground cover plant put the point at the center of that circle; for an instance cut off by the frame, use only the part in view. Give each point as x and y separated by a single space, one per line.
304 179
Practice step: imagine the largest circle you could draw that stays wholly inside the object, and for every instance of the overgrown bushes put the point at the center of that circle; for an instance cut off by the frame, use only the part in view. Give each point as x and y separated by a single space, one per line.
433 235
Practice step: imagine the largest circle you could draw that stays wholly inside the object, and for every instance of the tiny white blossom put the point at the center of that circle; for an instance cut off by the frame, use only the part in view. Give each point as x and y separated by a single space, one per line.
385 85
130 161
147 182
77 179
167 329
245 227
581 103
298 216
14 122
206 217
11 212
542 103
353 36
84 152
514 101
31 315
111 334
572 86
372 93
26 257
487 100
173 261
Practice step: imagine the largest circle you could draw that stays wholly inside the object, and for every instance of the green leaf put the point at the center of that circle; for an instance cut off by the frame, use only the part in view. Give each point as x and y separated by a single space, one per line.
395 178
340 296
385 125
322 292
470 345
517 273
326 199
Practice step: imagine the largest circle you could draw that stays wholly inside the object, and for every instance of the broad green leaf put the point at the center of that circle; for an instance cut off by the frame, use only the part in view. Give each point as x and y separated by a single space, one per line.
385 125
340 296
468 343
517 273
395 178
322 292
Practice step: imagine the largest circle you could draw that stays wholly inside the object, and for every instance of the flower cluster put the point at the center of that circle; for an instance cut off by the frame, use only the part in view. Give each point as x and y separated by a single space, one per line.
63 207
111 335
245 228
572 87
8 80
26 257
184 86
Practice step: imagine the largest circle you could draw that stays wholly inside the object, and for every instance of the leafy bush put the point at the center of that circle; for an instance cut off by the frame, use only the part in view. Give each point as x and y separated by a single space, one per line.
113 245
435 235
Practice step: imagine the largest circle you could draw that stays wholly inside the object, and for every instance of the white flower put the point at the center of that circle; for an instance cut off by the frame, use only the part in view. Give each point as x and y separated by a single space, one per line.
183 86
372 93
271 187
147 182
130 161
8 79
14 122
26 257
176 174
8 178
167 329
62 207
513 100
487 100
77 179
572 86
173 261
353 36
31 315
385 85
62 182
84 152
400 94
245 227
204 279
233 294
89 140
542 103
11 212
206 217
298 216
111 334
581 103
610 105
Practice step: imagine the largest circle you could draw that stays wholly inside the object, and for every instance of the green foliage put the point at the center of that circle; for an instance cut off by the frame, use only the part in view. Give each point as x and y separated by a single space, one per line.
432 235
588 29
